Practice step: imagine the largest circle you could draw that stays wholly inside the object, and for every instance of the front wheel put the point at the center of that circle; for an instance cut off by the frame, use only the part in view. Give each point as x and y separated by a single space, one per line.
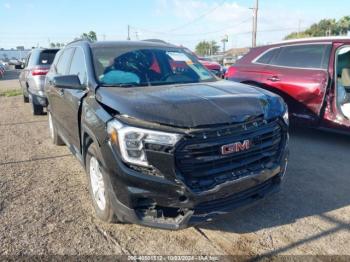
99 186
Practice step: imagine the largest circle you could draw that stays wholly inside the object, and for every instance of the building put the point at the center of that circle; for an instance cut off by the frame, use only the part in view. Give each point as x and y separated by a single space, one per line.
13 54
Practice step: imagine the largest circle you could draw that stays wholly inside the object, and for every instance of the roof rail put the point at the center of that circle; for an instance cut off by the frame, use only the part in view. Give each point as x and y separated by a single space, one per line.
155 41
315 38
80 40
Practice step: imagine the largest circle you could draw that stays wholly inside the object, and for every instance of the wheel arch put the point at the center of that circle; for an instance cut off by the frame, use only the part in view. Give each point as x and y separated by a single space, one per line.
87 138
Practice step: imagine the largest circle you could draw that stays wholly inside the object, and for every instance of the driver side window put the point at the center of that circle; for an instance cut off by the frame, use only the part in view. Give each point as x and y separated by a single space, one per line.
78 66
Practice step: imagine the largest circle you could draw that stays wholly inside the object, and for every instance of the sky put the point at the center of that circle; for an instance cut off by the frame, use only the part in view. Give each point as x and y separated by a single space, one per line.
184 22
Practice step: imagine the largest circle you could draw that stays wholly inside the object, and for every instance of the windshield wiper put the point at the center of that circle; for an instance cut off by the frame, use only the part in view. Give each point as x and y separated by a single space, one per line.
173 83
122 85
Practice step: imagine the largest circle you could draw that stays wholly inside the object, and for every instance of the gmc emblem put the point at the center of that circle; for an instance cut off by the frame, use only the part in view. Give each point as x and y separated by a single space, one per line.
236 147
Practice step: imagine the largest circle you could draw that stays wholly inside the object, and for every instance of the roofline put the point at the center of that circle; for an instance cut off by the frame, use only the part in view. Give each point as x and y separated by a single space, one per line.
82 40
321 38
150 42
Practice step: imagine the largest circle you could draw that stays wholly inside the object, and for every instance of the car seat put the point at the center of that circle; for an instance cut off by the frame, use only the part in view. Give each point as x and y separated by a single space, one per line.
344 92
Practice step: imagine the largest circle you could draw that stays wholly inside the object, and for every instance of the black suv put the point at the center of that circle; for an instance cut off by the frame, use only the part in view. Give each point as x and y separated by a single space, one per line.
164 142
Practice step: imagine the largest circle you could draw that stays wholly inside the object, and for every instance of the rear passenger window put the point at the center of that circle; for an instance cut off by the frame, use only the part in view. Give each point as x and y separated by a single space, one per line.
64 61
267 57
302 56
78 66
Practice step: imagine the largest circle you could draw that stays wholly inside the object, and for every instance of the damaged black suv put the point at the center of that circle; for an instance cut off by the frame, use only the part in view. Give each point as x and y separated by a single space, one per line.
163 141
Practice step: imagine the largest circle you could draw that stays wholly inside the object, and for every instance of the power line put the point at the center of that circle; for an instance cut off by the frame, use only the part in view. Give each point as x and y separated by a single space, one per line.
197 18
191 34
268 30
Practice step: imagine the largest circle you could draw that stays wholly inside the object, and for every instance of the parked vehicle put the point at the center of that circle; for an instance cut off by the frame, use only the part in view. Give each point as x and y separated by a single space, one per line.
3 63
32 78
2 71
312 75
163 142
229 61
214 67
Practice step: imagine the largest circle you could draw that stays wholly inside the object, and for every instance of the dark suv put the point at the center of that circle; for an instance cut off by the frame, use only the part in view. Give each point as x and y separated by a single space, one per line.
163 142
312 75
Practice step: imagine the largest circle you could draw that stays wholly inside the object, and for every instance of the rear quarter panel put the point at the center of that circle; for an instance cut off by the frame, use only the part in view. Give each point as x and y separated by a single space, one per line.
245 71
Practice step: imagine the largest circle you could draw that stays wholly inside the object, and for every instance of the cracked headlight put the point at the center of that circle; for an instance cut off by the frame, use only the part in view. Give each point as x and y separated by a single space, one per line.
131 141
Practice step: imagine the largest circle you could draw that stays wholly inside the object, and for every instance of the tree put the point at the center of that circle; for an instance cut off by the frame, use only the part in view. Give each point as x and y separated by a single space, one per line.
91 36
325 27
214 47
204 48
344 25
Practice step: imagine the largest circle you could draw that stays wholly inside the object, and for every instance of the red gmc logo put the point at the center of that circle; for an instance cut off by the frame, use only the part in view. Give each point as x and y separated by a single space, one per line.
236 147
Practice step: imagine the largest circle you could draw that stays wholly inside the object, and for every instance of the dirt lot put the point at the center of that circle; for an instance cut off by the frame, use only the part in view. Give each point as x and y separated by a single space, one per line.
45 206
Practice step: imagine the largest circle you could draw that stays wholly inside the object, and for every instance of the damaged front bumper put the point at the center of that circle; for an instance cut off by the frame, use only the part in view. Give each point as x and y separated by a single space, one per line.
157 202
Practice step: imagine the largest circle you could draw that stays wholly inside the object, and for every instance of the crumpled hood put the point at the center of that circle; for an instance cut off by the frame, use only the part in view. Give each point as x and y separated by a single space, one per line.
192 105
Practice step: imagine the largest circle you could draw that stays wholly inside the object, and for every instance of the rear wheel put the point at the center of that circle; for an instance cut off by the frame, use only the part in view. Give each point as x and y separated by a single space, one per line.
36 109
55 137
25 99
99 186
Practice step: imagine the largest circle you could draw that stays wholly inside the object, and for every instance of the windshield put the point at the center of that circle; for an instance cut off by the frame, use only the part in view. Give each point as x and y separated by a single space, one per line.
115 66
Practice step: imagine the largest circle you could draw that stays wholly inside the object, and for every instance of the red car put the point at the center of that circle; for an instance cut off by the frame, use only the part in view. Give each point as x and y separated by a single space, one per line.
312 75
211 65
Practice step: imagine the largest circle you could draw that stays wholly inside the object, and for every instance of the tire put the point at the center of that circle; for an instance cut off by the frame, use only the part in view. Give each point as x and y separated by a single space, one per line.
25 99
99 186
37 110
55 137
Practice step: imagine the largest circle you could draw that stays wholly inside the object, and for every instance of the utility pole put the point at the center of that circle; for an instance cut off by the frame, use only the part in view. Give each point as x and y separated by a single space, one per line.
255 22
128 32
224 41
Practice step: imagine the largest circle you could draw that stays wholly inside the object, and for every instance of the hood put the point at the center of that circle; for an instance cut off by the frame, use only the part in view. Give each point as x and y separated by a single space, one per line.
192 105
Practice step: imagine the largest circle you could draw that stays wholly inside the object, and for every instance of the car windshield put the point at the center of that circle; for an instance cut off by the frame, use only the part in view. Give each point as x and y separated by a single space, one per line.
128 67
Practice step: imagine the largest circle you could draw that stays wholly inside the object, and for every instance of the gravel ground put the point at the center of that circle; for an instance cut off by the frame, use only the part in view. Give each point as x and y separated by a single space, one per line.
45 206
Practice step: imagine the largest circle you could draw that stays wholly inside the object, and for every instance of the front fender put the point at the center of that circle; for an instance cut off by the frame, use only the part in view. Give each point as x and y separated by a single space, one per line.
93 124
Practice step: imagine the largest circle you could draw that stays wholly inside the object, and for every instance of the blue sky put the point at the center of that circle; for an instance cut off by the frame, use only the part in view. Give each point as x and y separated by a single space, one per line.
36 22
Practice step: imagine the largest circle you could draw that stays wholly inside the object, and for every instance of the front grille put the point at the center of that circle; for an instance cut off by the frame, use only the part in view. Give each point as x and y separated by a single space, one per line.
202 165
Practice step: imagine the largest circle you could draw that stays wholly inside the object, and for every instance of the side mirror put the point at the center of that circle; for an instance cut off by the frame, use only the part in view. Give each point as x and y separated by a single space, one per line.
68 82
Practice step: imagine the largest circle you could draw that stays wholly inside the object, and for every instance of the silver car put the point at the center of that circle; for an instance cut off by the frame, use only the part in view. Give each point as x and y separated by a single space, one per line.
32 78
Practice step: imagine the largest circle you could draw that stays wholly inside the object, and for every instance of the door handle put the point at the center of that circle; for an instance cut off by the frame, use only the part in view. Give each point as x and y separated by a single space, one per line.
273 78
